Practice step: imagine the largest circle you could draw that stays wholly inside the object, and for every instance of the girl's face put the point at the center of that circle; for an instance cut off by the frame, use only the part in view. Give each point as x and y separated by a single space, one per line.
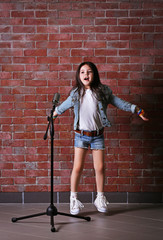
86 76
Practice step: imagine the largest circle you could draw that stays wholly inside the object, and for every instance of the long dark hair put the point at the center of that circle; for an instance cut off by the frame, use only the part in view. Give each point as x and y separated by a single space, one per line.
95 84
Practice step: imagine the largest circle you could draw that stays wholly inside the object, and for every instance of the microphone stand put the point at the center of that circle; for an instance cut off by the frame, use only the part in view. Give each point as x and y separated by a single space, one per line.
51 210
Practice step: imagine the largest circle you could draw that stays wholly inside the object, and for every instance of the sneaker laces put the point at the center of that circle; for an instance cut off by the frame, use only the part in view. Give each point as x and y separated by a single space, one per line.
75 204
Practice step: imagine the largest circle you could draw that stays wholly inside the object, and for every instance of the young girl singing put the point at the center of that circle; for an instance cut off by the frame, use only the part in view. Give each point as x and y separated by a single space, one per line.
90 99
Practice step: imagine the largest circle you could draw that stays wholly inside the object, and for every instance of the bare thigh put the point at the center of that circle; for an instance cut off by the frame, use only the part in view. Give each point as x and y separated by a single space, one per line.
79 158
98 159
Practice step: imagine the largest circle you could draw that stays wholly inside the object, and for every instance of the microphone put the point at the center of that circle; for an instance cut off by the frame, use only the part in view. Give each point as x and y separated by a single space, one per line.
56 98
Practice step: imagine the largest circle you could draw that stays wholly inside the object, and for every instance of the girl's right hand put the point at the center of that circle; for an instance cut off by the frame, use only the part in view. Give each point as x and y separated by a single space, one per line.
55 115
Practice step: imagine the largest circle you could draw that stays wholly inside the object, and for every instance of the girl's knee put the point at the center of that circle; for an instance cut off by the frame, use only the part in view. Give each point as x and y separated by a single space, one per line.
99 169
77 170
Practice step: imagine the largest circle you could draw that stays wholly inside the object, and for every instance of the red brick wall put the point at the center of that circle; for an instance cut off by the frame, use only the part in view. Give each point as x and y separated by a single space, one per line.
41 45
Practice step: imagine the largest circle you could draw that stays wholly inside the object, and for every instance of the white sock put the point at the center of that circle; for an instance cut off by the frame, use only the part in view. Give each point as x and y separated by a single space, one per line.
99 194
73 194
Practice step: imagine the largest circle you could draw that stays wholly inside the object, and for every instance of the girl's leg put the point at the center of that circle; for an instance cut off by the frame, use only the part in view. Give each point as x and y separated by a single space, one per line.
98 161
79 156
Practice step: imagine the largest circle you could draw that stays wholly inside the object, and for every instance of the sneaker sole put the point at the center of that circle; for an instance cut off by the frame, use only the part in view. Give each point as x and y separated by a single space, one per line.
74 213
101 210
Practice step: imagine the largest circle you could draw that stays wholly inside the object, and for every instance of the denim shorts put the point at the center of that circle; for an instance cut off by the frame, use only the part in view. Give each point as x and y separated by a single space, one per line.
83 141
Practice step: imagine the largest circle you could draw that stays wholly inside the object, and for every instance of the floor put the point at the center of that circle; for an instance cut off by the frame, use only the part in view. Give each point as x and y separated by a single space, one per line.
124 221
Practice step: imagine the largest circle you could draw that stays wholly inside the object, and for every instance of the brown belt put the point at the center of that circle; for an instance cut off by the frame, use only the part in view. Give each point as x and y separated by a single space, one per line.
92 133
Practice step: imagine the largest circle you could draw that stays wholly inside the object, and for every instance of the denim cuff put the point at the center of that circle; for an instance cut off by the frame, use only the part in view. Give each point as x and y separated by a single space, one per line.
133 106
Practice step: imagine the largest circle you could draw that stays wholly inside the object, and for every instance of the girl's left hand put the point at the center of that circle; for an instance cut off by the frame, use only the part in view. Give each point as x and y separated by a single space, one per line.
141 114
143 117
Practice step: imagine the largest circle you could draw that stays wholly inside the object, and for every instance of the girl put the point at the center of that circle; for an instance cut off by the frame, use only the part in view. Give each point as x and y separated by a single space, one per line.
90 98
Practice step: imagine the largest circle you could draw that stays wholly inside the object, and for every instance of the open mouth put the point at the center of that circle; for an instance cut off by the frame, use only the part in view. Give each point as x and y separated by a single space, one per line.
86 79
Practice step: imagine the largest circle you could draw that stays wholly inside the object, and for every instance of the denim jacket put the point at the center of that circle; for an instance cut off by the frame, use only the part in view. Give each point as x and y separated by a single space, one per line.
74 101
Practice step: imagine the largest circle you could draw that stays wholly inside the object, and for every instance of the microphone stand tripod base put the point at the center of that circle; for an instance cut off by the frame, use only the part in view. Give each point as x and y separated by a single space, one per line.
51 210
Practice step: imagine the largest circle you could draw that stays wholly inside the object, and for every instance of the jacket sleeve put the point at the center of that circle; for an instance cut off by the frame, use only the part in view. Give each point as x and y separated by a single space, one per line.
68 103
122 104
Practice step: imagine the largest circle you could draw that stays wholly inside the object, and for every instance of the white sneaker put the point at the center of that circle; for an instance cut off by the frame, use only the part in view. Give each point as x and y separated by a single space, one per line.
101 204
75 206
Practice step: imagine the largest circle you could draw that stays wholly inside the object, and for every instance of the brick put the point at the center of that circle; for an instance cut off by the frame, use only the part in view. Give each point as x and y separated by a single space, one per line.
83 5
105 52
12 82
28 60
68 14
5 14
37 37
62 36
108 67
92 44
98 29
129 36
60 5
5 75
31 5
93 14
58 67
45 44
45 14
6 181
25 180
106 21
24 135
5 29
37 52
35 68
12 21
12 68
77 21
35 21
117 60
84 36
23 44
5 60
72 29
72 44
24 14
58 22
36 188
43 60
11 6
143 29
82 52
12 173
36 173
12 37
118 29
24 29
142 44
10 189
65 60
11 52
49 29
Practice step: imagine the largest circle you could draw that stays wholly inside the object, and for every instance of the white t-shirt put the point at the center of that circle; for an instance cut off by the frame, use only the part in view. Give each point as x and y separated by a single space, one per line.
89 116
